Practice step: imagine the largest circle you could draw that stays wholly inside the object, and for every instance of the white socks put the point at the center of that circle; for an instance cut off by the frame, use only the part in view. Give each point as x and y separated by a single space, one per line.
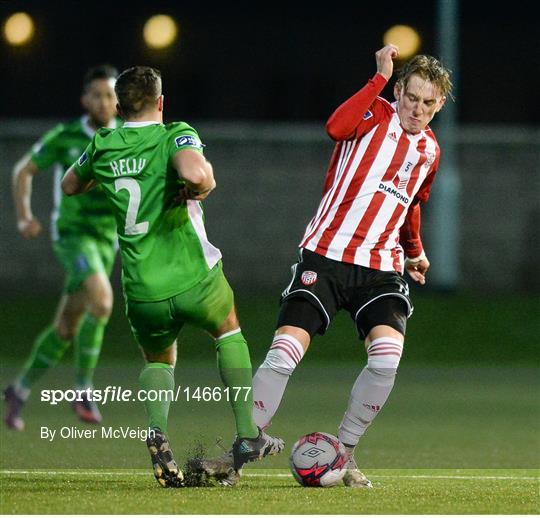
272 376
368 395
371 389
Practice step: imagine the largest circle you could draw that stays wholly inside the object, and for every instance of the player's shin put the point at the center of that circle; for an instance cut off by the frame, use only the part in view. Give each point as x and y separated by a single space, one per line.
235 369
371 389
157 378
88 348
272 376
47 352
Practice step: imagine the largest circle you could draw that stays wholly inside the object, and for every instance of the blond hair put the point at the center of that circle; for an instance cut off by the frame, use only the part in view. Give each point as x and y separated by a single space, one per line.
429 69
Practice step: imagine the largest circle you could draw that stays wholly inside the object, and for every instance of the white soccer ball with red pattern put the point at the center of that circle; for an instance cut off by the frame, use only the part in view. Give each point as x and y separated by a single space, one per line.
318 459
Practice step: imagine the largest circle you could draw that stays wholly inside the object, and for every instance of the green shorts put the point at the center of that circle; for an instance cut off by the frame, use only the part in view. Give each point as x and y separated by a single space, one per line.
156 325
82 256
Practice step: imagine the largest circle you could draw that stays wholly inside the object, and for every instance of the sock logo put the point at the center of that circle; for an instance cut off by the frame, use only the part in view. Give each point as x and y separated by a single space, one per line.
373 408
259 405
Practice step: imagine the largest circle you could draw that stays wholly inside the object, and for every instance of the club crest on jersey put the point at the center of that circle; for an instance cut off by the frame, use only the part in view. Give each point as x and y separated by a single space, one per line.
308 278
83 158
367 115
188 140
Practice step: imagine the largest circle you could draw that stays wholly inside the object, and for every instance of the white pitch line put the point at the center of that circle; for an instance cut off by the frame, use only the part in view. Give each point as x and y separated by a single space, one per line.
265 475
374 477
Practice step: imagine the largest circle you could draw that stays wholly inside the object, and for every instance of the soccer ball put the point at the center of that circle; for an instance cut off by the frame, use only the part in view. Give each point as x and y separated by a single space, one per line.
318 459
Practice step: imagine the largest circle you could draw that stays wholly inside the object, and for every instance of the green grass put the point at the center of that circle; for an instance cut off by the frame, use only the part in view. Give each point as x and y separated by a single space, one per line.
273 492
435 418
460 433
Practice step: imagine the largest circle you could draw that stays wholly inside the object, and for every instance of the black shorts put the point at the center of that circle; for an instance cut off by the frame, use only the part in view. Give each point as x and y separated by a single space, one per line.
372 297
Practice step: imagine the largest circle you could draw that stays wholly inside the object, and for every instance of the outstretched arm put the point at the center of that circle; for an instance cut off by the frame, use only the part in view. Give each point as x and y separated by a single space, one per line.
343 122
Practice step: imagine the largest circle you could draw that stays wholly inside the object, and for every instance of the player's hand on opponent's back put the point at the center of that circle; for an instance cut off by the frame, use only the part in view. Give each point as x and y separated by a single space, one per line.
384 57
29 228
417 268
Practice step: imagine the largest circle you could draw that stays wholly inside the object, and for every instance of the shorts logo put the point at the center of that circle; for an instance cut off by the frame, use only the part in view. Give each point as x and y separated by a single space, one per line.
188 140
367 115
83 158
308 278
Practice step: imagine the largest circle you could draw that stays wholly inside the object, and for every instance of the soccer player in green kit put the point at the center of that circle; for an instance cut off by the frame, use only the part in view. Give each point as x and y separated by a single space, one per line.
84 241
155 177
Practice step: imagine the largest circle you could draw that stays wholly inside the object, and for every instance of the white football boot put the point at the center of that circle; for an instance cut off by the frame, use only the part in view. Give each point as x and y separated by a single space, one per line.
353 476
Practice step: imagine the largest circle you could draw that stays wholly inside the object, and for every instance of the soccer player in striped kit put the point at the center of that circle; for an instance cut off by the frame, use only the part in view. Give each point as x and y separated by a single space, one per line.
364 235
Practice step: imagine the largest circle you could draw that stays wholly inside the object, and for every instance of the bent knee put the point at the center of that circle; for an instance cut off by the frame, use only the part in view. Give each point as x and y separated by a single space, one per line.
231 323
101 309
66 330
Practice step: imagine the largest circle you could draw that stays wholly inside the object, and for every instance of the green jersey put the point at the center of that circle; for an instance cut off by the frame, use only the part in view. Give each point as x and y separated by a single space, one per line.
89 214
163 243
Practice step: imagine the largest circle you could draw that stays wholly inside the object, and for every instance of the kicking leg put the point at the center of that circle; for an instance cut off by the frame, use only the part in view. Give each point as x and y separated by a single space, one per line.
235 369
298 321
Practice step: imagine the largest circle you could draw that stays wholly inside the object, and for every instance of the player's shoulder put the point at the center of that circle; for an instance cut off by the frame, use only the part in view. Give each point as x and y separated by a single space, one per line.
105 132
183 136
55 132
384 104
428 132
105 137
379 109
180 127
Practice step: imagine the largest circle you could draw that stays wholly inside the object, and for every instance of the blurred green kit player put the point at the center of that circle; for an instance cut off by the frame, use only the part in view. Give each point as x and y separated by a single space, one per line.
84 241
155 177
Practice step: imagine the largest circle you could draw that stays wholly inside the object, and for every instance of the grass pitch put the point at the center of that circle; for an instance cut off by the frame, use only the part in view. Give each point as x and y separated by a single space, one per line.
466 402
272 492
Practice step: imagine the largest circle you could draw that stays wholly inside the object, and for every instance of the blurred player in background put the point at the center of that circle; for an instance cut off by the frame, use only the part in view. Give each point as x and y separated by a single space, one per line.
84 241
155 177
351 255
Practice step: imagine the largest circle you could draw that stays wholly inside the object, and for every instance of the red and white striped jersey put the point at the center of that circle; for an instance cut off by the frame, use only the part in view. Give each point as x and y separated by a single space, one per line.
377 176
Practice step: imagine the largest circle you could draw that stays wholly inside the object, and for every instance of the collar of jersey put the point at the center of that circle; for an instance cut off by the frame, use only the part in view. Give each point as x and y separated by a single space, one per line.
139 124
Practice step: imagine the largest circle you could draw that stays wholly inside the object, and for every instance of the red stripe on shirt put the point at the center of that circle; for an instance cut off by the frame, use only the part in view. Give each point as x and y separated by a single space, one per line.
354 187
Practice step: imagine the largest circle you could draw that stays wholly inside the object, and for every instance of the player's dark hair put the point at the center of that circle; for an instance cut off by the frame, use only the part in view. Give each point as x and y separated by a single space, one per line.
428 68
137 89
99 72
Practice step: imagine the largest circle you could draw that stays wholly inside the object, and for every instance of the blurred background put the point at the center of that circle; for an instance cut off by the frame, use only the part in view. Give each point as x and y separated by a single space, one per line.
258 82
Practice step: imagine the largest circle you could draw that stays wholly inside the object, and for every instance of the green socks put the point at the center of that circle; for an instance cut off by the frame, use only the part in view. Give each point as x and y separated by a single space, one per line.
87 348
47 351
235 370
157 377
